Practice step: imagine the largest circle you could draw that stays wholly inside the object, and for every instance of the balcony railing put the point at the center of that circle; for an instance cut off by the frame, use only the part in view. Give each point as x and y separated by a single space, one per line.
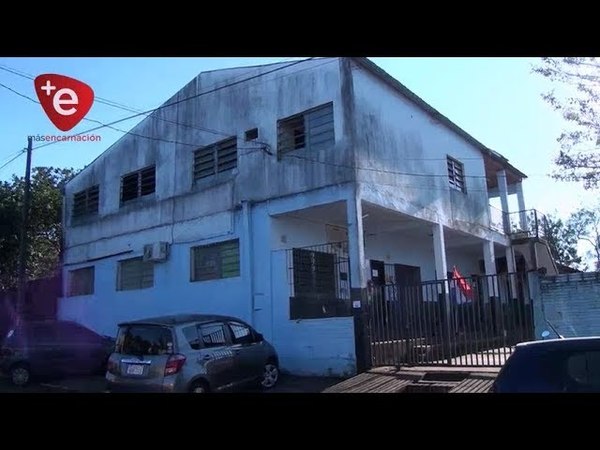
527 224
519 225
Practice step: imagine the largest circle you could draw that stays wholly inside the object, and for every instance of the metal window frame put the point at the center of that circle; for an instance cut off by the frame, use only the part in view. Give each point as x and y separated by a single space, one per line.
70 292
217 246
120 274
138 174
86 209
213 149
458 169
306 126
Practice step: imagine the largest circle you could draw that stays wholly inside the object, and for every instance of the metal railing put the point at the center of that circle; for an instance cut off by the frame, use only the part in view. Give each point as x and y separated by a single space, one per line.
473 321
529 223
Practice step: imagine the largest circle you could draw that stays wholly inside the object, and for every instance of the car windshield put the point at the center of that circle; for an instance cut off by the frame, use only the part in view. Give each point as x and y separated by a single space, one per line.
145 340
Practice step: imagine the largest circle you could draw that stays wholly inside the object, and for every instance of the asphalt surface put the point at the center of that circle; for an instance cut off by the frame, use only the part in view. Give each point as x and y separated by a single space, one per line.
95 384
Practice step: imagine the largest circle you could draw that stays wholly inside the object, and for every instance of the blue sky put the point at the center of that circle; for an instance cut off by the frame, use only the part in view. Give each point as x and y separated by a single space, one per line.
496 100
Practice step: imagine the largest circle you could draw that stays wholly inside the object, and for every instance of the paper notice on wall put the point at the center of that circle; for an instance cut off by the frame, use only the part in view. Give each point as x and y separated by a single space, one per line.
374 273
356 304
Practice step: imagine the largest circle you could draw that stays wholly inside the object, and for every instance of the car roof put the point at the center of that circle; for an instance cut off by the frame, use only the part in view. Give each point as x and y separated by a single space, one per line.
558 343
178 319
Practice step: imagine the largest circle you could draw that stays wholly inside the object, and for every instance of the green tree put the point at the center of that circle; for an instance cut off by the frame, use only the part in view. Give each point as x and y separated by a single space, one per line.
562 240
586 223
578 100
44 231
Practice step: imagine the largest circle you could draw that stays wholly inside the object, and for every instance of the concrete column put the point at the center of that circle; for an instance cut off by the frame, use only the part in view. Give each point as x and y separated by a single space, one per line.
522 208
503 191
489 260
356 246
247 257
512 268
439 251
358 280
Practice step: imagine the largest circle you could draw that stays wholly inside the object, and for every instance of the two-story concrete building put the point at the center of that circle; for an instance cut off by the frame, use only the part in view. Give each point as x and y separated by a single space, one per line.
276 193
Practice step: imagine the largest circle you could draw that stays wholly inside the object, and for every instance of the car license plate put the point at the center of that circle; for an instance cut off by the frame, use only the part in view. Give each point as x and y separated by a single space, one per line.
135 369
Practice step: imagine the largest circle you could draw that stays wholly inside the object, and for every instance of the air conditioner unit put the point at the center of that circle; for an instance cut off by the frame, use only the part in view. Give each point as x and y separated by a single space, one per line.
159 251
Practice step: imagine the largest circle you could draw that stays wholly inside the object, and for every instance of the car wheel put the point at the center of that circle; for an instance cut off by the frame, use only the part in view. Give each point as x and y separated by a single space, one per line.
199 387
20 375
270 375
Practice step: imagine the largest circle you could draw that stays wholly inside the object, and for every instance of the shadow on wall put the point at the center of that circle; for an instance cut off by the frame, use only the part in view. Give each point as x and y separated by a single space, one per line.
40 302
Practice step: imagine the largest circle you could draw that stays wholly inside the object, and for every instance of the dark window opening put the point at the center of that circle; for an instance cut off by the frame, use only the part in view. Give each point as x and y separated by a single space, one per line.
215 261
138 184
215 158
86 202
251 134
81 282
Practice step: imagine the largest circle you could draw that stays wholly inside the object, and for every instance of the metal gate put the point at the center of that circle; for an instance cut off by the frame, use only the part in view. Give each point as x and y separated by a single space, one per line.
473 321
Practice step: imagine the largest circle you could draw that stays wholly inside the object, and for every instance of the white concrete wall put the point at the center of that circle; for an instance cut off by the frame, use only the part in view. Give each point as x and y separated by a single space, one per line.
395 135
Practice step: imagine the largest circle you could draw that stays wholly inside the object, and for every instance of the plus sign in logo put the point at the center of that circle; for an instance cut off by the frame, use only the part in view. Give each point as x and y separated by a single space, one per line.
65 100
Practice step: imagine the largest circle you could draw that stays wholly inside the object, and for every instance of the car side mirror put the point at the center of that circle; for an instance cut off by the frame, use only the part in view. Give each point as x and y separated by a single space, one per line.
259 337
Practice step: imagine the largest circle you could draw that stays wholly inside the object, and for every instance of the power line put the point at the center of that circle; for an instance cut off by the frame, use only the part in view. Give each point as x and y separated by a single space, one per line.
185 99
372 169
12 159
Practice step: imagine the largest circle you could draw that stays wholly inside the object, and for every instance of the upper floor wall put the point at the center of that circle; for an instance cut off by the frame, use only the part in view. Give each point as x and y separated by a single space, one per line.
177 141
407 150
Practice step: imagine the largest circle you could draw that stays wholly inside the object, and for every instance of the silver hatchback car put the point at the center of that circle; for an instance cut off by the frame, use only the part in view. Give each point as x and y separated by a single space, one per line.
190 353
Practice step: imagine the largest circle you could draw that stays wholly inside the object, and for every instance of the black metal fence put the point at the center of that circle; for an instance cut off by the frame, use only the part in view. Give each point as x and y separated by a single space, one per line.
468 322
319 278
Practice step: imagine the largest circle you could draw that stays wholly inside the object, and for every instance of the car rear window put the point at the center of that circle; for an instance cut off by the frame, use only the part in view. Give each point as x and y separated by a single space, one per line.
145 340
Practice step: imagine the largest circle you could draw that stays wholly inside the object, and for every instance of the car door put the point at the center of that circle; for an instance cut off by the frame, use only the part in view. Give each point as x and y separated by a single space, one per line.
214 355
248 350
46 356
82 348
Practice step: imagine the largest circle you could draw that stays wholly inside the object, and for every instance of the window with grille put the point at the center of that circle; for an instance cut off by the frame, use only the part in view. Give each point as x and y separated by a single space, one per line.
135 273
138 184
456 174
212 262
81 282
310 130
215 158
86 202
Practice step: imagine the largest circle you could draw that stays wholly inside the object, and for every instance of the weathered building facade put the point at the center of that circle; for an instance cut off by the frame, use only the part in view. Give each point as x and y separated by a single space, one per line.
277 194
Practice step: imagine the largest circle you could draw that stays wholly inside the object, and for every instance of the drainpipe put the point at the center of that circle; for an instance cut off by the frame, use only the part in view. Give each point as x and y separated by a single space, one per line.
248 255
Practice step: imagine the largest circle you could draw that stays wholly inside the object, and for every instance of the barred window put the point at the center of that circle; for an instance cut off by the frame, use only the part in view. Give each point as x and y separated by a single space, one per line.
215 158
137 184
311 130
86 202
456 175
135 273
81 282
212 262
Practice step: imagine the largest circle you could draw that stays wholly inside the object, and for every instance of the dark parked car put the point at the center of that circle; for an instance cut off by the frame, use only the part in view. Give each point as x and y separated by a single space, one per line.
53 348
557 365
190 353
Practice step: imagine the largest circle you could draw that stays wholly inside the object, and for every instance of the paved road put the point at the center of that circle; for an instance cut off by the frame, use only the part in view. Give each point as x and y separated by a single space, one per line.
95 384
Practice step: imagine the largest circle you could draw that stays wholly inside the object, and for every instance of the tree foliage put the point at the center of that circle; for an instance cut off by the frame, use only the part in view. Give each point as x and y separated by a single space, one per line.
578 100
586 225
44 231
562 240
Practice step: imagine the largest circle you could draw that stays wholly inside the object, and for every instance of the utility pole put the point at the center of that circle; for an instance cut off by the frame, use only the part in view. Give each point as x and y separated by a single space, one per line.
23 240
